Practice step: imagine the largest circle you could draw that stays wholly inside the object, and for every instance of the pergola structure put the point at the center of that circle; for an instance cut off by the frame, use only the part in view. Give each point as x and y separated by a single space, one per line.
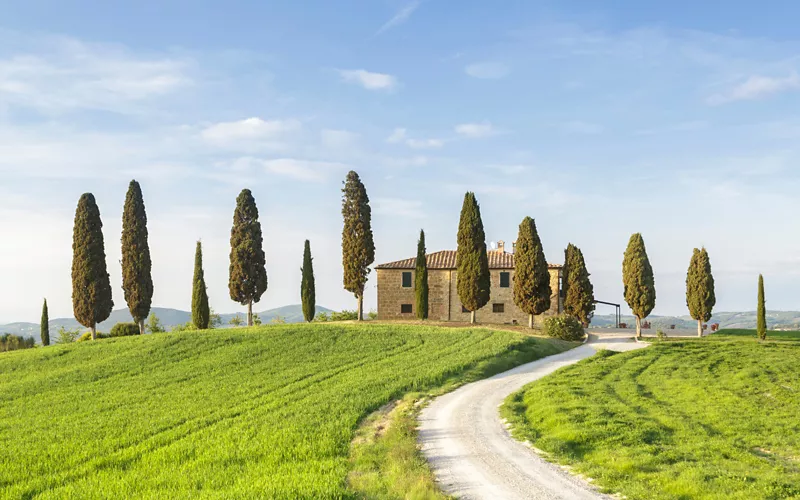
617 316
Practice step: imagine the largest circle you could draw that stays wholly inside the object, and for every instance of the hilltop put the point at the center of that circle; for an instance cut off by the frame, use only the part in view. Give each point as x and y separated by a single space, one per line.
169 318
785 320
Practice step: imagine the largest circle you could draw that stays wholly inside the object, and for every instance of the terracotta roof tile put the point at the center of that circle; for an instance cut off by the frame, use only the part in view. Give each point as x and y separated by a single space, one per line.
446 259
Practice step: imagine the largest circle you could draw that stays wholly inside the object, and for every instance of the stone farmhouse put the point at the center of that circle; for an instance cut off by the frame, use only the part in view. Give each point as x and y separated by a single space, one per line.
396 298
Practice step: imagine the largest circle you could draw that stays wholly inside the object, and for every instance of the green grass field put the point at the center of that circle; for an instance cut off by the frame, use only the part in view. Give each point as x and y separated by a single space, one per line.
263 412
771 335
678 420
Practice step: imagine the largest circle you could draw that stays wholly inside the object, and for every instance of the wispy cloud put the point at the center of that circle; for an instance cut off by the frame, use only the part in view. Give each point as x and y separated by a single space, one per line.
368 80
476 130
757 87
397 135
399 208
581 127
66 74
400 17
337 139
250 134
301 170
490 70
424 143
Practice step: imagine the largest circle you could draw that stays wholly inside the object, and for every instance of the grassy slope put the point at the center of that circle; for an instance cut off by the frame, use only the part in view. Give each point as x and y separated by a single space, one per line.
696 419
262 412
771 335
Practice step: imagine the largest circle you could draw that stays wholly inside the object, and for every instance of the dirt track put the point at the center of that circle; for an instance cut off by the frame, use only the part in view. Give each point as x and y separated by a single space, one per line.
471 452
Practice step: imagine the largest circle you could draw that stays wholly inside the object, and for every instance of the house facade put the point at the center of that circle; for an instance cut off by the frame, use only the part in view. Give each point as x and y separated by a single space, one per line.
396 293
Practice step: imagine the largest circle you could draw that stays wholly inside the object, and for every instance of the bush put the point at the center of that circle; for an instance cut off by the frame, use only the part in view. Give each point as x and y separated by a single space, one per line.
661 335
67 336
10 342
563 327
344 315
124 330
321 317
186 327
88 336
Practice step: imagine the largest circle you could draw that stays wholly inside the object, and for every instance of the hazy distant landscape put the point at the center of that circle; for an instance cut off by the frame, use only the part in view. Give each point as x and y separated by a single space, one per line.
787 320
169 318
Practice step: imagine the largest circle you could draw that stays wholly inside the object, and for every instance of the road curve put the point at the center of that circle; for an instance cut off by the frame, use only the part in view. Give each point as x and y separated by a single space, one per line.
472 454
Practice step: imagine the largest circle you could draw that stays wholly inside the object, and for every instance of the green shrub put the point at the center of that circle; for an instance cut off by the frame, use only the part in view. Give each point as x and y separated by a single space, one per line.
88 336
563 327
124 330
10 342
661 335
186 327
321 317
344 315
67 336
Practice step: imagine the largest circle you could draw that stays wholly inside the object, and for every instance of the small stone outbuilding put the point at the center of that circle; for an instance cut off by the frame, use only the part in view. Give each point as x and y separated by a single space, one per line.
396 297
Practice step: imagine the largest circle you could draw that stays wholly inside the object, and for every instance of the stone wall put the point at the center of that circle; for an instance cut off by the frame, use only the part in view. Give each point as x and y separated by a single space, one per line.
443 301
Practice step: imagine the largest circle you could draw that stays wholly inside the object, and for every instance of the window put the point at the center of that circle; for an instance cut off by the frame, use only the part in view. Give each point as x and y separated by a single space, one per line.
498 308
406 309
407 279
464 309
561 291
505 280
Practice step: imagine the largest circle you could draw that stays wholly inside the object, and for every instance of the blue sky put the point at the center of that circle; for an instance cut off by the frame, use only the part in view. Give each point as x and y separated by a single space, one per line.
675 120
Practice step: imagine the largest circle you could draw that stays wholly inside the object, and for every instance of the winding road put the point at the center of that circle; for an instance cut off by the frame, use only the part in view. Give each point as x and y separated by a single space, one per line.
472 454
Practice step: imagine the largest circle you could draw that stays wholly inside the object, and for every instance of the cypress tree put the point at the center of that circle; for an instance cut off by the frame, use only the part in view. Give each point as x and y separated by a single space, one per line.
91 289
137 281
761 326
700 298
637 277
248 272
578 289
358 247
473 280
201 313
421 278
531 277
308 294
45 325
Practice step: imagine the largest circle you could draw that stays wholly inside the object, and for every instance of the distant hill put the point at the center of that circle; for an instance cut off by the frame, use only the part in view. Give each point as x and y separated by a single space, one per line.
168 317
784 320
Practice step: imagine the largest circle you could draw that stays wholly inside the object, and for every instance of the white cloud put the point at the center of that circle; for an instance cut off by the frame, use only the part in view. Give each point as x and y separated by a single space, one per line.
582 127
302 170
476 130
490 70
424 143
248 129
399 18
338 139
398 135
64 74
757 87
399 207
368 80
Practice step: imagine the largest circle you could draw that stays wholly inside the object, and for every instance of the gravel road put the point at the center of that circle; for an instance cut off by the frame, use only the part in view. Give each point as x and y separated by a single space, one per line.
471 452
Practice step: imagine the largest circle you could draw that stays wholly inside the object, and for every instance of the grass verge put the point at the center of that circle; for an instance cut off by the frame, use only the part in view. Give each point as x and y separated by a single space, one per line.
386 462
694 419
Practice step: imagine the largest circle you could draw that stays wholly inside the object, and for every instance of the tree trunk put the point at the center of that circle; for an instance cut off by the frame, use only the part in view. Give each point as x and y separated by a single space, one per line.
472 317
141 327
530 320
638 327
94 332
699 328
250 313
360 308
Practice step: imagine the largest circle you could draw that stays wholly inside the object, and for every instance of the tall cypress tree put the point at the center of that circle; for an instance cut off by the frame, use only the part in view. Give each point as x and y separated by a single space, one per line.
137 281
248 272
473 280
531 277
358 247
700 298
91 289
578 290
637 277
45 325
201 314
421 278
761 315
308 294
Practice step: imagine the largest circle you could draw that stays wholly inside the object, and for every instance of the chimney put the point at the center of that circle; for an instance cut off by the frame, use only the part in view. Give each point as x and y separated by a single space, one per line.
501 246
